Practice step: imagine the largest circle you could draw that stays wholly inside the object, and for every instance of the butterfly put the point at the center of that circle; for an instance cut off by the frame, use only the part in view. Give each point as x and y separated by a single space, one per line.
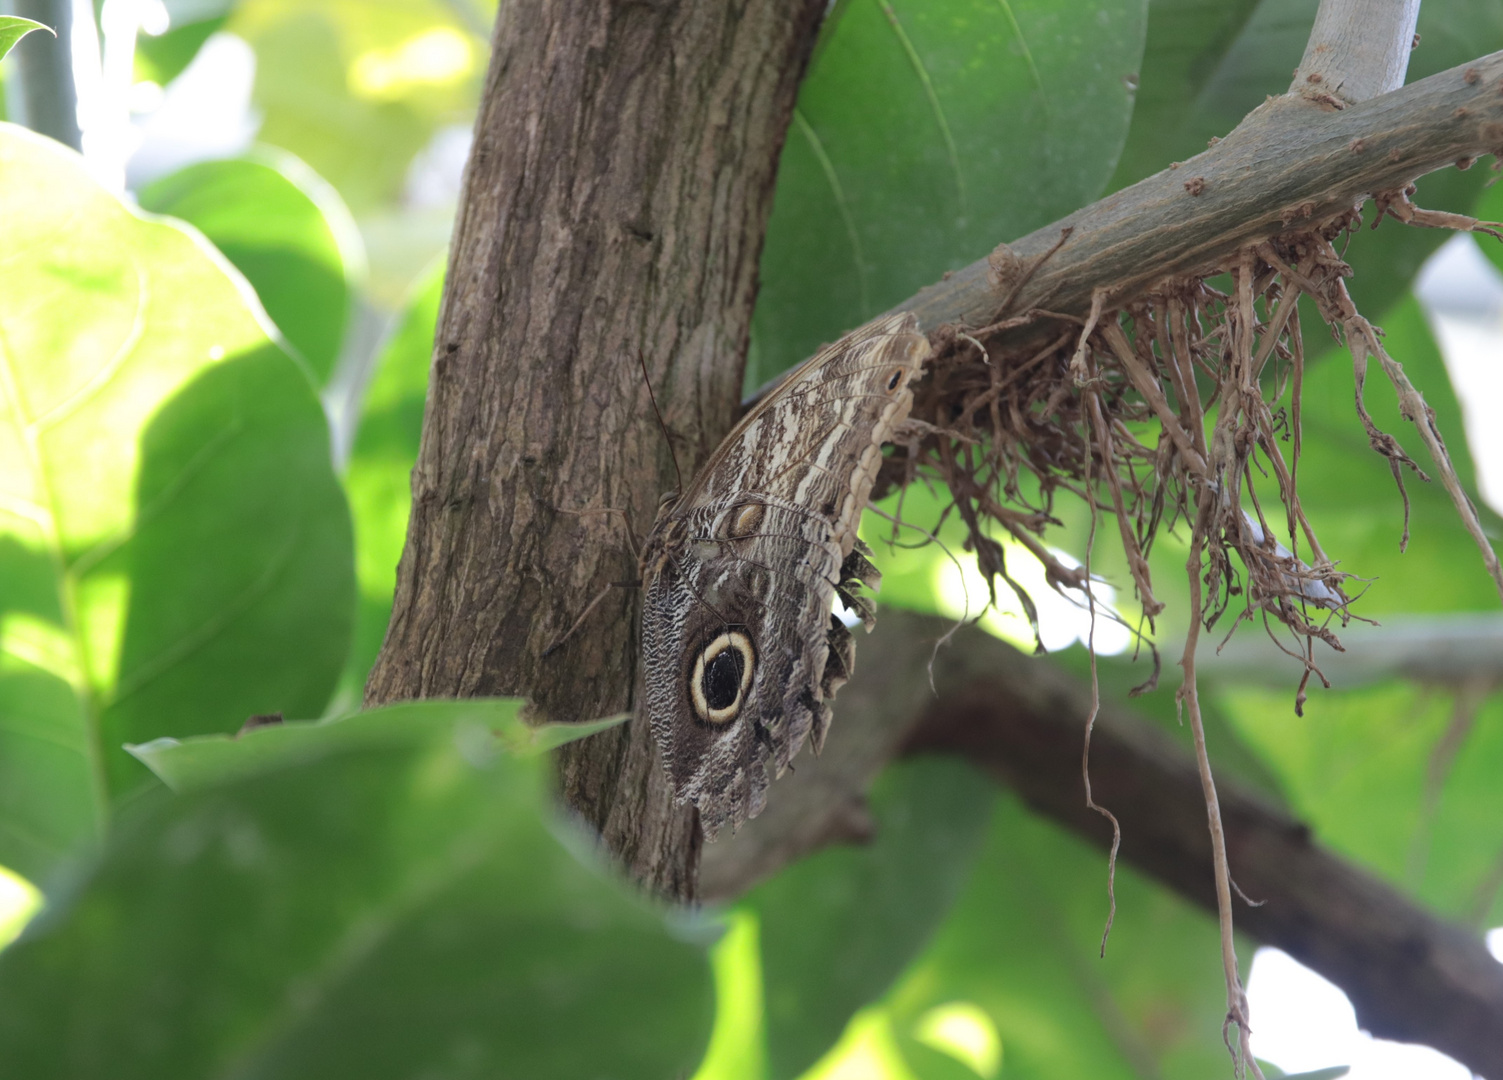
741 653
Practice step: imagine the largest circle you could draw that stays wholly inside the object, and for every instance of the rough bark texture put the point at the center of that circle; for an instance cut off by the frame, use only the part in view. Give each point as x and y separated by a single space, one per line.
629 143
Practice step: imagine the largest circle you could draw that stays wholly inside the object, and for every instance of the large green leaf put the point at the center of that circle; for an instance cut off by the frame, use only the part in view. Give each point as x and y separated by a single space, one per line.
838 928
924 135
286 230
1187 41
378 478
206 760
174 550
380 912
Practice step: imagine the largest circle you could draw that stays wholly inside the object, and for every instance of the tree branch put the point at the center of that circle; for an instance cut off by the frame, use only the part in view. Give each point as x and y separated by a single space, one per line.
1445 652
1357 50
1410 975
1289 163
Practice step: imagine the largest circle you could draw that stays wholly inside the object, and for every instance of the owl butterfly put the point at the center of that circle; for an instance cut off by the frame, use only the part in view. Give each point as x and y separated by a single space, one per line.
740 652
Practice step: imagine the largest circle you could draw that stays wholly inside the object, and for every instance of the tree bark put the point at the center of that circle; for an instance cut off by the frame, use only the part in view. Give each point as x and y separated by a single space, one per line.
611 221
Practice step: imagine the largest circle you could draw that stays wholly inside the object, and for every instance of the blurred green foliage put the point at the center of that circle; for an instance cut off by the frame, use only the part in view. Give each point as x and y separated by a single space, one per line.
391 893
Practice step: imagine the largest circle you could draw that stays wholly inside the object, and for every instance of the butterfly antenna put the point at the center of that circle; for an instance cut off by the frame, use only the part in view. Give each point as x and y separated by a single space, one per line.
667 438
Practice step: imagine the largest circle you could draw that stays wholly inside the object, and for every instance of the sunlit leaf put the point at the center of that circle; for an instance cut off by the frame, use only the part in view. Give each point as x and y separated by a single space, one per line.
286 230
737 1049
205 760
380 912
925 134
175 553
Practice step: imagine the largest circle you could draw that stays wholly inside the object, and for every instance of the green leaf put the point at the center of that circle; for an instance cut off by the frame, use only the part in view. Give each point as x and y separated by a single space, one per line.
1451 32
205 760
1187 41
162 58
286 230
175 553
13 28
838 928
381 912
1022 945
379 477
1367 769
924 135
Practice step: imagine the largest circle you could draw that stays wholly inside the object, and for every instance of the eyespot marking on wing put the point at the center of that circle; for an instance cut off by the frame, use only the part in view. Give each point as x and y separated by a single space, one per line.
744 520
722 674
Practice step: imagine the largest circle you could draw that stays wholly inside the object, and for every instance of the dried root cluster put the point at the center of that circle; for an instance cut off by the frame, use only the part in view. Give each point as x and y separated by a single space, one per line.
1181 405
1165 409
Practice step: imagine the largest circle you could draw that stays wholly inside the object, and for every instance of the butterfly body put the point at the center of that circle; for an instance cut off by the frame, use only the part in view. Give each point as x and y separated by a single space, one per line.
740 652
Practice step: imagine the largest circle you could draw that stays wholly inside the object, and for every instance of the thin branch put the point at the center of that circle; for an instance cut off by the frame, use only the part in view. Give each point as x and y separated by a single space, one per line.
1357 50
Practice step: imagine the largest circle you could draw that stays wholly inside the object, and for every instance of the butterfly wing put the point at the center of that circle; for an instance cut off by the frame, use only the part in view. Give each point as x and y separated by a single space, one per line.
740 651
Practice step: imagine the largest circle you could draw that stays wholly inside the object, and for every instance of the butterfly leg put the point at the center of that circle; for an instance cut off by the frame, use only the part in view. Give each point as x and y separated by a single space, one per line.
633 544
585 614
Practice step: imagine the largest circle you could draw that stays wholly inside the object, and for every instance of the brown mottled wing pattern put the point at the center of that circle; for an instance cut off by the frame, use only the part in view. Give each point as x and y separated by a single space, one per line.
740 652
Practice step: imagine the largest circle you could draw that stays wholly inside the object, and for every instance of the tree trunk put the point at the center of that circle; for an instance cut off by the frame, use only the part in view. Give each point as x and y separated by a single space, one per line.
613 212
